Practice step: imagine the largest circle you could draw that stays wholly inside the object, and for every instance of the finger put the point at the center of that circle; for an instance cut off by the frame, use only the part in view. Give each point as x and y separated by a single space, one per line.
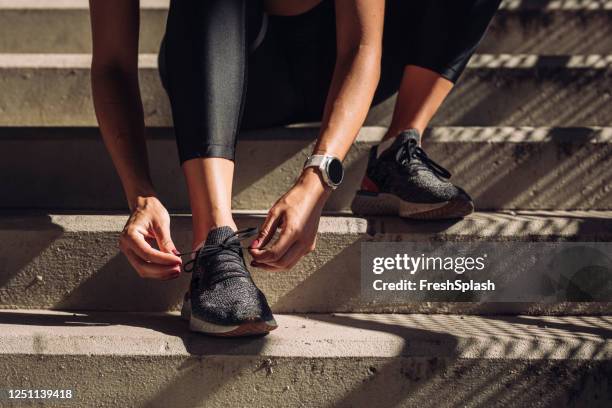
152 271
289 259
137 243
163 238
292 256
278 249
267 230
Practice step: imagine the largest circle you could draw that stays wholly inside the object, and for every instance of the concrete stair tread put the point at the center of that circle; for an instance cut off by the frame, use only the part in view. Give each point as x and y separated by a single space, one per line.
503 168
482 225
540 26
69 4
479 60
315 335
162 4
341 360
72 262
156 4
504 89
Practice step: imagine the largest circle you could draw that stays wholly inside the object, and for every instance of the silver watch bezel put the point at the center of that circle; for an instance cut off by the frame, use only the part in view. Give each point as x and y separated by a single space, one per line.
322 162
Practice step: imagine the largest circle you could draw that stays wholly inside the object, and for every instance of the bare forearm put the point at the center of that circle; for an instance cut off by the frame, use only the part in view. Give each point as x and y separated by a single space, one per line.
353 85
120 116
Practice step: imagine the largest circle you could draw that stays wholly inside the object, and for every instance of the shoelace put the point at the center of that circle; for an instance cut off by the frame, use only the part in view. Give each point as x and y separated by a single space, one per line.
410 150
212 249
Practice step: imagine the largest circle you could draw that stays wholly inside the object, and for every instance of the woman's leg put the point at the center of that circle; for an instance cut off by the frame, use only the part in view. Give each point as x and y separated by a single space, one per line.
209 182
434 53
203 62
203 66
431 42
420 94
207 48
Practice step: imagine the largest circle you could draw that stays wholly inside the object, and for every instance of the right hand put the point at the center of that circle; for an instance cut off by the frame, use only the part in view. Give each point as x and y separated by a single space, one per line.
150 221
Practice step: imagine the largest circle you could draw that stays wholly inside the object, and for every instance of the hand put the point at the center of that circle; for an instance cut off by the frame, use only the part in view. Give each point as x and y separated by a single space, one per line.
150 222
297 214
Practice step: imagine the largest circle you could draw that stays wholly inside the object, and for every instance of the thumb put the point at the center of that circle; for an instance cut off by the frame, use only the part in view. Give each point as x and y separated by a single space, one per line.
163 238
267 230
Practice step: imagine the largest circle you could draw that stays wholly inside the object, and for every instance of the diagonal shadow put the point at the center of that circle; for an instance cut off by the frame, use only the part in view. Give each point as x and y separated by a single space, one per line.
601 332
438 375
184 383
567 171
36 234
111 288
289 142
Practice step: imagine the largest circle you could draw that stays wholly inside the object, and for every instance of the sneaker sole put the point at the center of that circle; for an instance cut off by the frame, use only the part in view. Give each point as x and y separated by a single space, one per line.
368 203
248 328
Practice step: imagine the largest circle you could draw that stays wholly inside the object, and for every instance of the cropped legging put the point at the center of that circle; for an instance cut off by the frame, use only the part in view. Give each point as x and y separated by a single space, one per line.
227 66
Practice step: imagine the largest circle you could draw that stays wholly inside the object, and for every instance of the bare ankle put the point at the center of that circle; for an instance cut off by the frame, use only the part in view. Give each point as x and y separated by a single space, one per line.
201 232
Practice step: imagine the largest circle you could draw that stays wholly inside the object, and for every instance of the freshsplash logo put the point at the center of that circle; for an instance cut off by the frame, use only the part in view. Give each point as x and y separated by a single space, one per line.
413 264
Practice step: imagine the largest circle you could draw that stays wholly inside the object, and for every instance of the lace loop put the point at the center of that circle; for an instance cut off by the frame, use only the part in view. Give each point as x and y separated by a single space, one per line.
410 150
212 249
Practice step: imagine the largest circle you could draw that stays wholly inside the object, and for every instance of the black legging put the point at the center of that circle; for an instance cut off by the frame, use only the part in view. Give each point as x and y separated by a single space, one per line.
213 48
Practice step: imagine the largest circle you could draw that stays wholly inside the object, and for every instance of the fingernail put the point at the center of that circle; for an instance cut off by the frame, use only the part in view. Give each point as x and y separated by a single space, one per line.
255 244
175 252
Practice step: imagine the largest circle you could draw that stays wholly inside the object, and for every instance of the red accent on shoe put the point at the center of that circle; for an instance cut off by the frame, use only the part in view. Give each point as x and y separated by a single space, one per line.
369 185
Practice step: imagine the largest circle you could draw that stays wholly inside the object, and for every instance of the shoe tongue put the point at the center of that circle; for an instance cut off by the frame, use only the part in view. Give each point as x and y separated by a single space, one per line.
218 235
401 139
223 264
406 136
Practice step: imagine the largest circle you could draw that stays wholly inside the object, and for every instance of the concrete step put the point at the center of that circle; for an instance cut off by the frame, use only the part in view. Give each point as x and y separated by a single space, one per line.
524 90
513 90
537 27
503 168
63 26
72 262
345 360
557 27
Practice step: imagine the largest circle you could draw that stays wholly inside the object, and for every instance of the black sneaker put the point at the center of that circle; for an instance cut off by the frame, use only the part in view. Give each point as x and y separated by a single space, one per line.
223 299
403 181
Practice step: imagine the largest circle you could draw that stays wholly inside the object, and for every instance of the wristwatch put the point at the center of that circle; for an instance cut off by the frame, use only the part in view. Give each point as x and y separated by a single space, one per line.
330 167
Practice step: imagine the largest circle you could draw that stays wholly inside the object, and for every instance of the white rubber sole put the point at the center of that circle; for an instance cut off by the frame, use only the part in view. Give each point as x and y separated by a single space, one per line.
248 328
366 203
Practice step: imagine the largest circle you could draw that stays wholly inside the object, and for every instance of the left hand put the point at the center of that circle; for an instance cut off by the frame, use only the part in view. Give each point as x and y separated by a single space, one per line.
297 214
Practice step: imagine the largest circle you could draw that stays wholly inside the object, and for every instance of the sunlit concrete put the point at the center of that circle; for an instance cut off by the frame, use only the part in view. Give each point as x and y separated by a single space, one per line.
73 262
328 360
509 90
501 167
538 27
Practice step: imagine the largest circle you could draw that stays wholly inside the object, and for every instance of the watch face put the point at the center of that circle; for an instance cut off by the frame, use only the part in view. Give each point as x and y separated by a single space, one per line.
335 171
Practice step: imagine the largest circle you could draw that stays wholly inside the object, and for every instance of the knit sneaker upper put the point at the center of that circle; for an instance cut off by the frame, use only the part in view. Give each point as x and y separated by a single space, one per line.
222 290
405 170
